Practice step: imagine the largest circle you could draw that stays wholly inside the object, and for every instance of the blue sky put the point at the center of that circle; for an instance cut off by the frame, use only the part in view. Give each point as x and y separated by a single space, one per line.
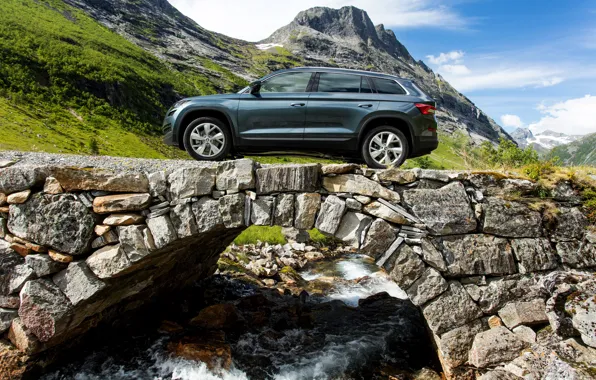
525 63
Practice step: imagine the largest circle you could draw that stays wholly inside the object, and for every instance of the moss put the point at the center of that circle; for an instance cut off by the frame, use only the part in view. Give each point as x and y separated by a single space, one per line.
227 265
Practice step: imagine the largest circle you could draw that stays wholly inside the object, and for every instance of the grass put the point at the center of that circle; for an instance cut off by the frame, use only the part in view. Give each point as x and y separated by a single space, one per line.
273 235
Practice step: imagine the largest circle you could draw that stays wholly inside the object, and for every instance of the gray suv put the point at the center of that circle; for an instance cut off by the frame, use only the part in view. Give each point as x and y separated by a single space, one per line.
359 115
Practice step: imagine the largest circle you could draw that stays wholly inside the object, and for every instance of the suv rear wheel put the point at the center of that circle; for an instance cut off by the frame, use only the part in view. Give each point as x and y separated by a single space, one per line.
384 147
207 139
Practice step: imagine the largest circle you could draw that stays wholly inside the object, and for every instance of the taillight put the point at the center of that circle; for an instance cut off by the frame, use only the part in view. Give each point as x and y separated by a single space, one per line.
426 109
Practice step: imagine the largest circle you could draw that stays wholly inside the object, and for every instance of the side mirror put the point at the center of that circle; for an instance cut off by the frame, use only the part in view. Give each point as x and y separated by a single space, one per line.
255 87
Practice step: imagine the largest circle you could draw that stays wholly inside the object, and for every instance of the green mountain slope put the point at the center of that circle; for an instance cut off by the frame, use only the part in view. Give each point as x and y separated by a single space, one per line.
580 152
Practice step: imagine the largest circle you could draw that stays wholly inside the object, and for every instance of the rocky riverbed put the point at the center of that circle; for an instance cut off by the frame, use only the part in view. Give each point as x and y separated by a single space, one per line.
328 314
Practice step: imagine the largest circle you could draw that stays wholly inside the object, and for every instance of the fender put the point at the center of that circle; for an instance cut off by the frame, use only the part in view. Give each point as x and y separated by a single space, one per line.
370 118
197 107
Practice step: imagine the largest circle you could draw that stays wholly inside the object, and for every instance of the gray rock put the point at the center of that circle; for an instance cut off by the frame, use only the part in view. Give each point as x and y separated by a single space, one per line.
132 242
13 270
511 219
288 178
363 199
502 291
306 207
498 375
123 219
357 184
577 254
470 255
162 230
525 333
44 310
330 216
22 338
352 228
10 302
295 235
430 285
284 210
407 267
564 192
437 175
353 205
235 175
399 176
338 168
3 228
231 209
107 238
432 256
206 211
452 309
118 203
495 346
534 255
75 179
446 211
474 291
158 184
582 308
43 265
184 221
382 211
6 317
379 238
523 313
455 345
21 178
109 262
60 222
192 182
78 283
261 211
571 225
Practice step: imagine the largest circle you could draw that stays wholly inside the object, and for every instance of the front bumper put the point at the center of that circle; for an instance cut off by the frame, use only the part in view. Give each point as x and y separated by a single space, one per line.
167 129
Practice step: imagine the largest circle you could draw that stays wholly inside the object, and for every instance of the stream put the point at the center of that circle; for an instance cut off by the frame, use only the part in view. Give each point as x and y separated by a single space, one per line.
361 327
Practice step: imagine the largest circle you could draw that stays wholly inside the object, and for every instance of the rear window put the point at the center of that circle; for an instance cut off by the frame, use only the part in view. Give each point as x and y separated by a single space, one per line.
388 86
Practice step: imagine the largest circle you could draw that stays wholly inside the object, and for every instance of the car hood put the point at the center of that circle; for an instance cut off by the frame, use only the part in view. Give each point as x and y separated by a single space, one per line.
210 98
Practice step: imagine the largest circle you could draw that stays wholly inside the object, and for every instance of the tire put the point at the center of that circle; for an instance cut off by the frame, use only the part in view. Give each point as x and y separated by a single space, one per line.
399 140
217 144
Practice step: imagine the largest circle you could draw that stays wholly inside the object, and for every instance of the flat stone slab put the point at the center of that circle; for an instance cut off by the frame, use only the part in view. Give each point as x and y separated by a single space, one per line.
511 219
358 184
74 179
288 178
469 255
524 313
121 203
495 346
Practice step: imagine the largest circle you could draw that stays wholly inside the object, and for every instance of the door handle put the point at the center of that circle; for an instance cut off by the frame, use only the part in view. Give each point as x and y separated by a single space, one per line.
298 104
365 105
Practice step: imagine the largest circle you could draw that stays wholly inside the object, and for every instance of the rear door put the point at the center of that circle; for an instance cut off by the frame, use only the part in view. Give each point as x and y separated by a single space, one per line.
336 107
276 113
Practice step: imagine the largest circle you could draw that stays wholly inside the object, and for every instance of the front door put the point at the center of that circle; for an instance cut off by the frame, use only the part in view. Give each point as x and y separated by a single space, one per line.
336 107
276 113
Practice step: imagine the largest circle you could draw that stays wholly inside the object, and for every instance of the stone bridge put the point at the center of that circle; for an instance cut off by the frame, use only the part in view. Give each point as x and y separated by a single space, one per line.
79 246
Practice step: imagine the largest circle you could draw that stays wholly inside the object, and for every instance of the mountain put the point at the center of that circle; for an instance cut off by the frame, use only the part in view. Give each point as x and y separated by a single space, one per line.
96 76
544 141
579 152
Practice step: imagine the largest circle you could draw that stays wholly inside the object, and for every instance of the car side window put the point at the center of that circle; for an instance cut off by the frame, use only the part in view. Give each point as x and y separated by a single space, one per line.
365 87
329 82
289 82
388 86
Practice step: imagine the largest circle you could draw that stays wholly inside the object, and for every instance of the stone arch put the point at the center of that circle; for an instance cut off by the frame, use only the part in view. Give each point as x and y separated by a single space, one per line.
460 250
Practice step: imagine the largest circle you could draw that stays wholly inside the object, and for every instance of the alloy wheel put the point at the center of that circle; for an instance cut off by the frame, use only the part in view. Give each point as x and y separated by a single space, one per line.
386 148
207 140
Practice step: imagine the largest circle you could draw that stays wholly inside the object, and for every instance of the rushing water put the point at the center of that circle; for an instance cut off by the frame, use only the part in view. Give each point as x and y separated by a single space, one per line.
348 342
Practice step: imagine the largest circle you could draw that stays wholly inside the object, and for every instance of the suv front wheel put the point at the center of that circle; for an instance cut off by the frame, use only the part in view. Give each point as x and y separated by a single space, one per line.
207 139
385 147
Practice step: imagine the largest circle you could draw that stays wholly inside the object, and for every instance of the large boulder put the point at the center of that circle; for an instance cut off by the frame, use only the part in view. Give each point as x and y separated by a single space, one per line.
495 346
288 178
75 179
407 267
235 175
452 309
261 211
570 225
61 222
511 219
192 182
534 255
501 291
133 241
78 283
162 230
330 216
306 207
183 220
358 184
231 209
455 345
379 238
446 211
284 210
470 255
118 203
44 309
352 228
577 254
430 285
19 178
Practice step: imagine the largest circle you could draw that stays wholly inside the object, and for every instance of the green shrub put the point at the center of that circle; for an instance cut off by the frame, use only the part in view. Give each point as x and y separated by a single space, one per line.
507 154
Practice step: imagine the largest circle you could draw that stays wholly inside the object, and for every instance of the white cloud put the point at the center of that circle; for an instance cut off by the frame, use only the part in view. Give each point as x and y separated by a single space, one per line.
455 69
511 121
573 116
256 20
455 56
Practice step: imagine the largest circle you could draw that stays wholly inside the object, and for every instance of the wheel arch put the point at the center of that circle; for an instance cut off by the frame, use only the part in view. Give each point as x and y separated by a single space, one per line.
194 113
395 120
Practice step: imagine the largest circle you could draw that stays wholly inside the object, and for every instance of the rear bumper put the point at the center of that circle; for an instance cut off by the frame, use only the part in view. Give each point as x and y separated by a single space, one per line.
424 145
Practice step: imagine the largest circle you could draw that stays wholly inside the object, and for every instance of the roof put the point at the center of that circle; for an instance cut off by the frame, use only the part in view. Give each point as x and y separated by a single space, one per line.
339 70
